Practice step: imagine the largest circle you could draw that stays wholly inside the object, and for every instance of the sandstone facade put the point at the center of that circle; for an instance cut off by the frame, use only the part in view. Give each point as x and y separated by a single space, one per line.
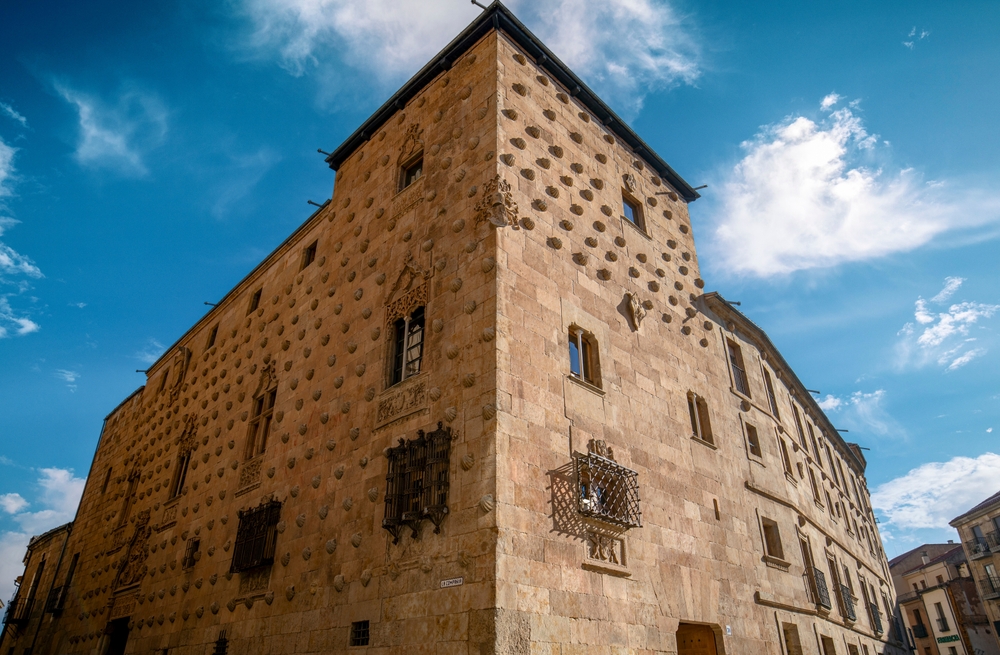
672 489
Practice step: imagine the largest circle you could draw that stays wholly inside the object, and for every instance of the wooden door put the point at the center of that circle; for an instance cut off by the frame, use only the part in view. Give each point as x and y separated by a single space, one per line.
695 640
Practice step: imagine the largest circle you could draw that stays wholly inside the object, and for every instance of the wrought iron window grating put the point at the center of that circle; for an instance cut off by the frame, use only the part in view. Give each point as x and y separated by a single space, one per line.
608 490
417 482
256 537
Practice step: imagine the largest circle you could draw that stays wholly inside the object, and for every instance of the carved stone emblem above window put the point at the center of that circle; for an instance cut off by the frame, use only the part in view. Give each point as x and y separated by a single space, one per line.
630 184
132 566
497 204
412 143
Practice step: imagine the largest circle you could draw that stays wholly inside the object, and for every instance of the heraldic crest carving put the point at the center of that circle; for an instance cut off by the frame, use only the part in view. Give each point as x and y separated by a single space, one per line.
497 205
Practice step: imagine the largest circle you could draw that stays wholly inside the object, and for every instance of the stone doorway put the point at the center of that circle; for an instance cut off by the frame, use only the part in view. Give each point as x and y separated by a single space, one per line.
695 639
117 637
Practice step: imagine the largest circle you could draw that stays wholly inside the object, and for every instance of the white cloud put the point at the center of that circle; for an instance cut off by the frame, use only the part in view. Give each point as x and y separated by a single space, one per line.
951 285
934 493
13 114
59 493
830 403
6 168
829 101
69 377
151 352
78 305
243 173
802 197
117 136
393 39
12 263
965 358
12 503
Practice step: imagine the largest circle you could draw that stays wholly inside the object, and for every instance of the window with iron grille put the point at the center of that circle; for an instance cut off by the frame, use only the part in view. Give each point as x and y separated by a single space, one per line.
260 423
360 633
408 346
739 370
256 537
191 552
608 490
417 482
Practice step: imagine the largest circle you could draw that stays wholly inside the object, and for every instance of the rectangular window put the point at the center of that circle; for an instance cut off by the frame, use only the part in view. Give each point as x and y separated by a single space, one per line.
411 171
180 474
254 301
129 499
260 423
583 356
739 370
309 255
633 211
815 488
408 346
793 646
211 337
798 427
191 554
852 649
107 481
256 537
753 440
942 621
772 539
812 437
360 633
772 401
786 461
701 426
829 648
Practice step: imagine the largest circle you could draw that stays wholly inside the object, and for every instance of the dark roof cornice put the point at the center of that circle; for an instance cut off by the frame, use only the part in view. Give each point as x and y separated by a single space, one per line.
498 17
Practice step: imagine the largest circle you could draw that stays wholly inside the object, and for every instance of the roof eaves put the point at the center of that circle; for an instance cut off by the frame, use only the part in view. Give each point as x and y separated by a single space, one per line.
981 507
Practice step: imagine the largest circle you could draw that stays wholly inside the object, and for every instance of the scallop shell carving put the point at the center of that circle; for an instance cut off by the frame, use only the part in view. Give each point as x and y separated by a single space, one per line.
469 380
489 334
456 284
331 546
434 394
369 393
306 553
348 503
489 411
339 472
450 414
452 352
373 494
286 558
470 306
458 225
323 512
488 264
339 583
486 503
468 461
356 539
355 433
359 370
366 577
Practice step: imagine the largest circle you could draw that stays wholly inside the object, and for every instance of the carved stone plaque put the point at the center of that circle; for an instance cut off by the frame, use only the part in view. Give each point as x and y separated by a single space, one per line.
400 401
255 581
123 606
249 475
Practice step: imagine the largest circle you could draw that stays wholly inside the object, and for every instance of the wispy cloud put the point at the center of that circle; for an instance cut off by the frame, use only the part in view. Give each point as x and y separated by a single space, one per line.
934 493
56 493
392 39
865 412
11 113
943 336
15 269
69 377
117 135
243 172
150 352
914 36
78 305
6 168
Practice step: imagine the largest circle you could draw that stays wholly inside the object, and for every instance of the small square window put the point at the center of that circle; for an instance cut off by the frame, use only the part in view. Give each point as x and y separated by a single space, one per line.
360 633
633 212
412 171
309 254
255 300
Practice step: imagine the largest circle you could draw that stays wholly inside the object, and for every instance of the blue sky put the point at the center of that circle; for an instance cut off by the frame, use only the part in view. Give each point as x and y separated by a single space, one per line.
152 153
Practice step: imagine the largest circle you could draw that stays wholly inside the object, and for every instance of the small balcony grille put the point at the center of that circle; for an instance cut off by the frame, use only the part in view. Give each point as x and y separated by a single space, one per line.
991 587
978 548
847 603
608 490
920 631
821 591
18 611
256 537
993 539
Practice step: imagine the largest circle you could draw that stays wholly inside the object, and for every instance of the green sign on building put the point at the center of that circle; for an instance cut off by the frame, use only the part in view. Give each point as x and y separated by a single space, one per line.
945 640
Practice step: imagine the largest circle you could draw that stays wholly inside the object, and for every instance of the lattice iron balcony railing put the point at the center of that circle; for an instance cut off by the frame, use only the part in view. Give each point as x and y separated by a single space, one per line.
608 490
821 592
991 587
417 482
920 631
18 611
993 539
876 618
847 603
978 548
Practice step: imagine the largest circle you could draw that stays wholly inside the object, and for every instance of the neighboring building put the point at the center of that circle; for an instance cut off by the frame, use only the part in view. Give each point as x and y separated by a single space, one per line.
476 403
979 530
939 602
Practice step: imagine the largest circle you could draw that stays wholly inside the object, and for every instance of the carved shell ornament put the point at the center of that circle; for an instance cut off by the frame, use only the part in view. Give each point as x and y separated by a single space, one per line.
497 205
629 181
636 310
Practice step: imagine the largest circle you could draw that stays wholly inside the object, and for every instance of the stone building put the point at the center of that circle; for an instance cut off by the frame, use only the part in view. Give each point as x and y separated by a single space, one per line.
477 403
979 530
939 604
